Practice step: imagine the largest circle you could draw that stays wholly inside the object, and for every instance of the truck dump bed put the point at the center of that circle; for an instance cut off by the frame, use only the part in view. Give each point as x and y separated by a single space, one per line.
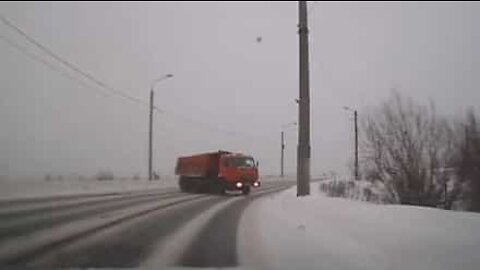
202 165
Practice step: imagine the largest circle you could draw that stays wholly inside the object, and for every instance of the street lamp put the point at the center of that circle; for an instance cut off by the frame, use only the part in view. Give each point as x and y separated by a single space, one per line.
282 146
150 133
355 115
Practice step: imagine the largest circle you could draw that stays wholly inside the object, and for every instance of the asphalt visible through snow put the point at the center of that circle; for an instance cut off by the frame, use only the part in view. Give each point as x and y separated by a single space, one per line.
216 245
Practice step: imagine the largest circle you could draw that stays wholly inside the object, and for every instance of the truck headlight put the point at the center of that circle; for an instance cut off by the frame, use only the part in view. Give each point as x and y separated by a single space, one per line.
238 184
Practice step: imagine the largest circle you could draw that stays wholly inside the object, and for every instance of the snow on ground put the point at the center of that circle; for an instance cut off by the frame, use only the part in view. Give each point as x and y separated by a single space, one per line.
34 188
319 232
360 190
22 188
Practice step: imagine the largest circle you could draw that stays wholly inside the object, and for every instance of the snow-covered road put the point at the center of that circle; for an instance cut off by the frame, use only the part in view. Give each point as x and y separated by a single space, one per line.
270 229
153 229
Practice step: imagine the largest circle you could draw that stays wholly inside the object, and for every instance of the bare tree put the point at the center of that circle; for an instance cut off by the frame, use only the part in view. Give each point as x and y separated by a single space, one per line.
467 159
407 146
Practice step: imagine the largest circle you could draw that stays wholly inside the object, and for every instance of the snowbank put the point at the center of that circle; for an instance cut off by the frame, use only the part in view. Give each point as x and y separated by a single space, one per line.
319 232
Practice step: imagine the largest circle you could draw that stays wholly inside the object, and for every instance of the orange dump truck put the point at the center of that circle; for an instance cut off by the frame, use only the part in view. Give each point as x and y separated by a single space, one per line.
217 172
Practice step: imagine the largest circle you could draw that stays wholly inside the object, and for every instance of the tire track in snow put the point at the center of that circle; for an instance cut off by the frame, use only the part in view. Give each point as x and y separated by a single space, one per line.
216 244
25 250
27 223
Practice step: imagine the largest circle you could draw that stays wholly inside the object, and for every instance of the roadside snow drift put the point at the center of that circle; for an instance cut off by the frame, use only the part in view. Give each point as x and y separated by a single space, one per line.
318 232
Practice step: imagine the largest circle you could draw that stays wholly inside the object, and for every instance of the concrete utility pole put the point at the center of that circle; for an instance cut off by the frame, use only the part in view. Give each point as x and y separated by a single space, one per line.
303 150
356 146
355 130
282 145
150 133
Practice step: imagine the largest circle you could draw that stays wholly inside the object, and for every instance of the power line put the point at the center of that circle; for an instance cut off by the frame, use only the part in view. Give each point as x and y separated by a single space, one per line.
98 82
170 114
37 58
70 65
69 76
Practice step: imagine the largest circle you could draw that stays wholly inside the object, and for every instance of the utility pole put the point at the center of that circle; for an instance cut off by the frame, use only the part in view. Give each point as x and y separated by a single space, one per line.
282 145
303 150
150 136
150 133
355 130
356 145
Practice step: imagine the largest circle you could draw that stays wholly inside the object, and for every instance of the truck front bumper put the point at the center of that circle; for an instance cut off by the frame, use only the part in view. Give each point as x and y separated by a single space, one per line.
238 185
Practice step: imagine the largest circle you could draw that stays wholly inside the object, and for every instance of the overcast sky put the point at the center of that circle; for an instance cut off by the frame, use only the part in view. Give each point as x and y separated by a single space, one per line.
229 91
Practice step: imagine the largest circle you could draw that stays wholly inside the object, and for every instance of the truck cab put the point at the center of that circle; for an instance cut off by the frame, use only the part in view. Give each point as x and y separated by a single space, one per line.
240 172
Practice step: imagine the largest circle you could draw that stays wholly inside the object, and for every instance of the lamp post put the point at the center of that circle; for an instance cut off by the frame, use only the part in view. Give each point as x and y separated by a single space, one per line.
355 115
150 133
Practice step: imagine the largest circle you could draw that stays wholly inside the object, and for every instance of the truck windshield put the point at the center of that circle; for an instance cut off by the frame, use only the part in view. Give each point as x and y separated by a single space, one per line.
241 162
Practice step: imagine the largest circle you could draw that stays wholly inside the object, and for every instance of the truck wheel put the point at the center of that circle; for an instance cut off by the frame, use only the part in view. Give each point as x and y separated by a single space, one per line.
246 190
217 187
189 187
195 187
220 190
182 184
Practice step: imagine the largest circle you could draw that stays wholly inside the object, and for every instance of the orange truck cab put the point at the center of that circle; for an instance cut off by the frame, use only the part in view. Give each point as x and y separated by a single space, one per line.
217 172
